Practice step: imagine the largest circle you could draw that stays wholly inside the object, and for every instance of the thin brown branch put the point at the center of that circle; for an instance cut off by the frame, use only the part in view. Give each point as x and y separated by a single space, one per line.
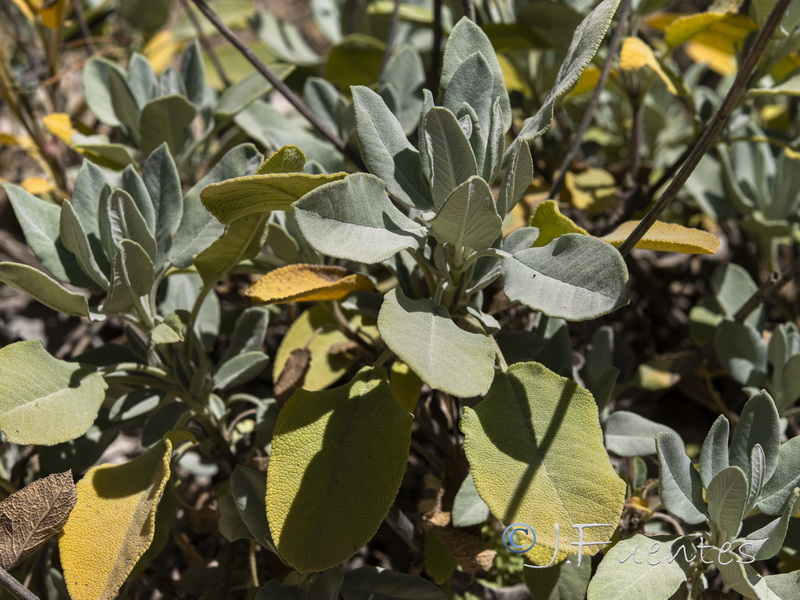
637 134
17 28
754 301
276 82
206 44
387 52
469 9
713 129
773 284
86 33
14 587
436 50
652 190
588 115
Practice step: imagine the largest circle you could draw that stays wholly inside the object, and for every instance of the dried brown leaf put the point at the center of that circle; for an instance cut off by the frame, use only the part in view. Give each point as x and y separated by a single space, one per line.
293 375
468 550
33 514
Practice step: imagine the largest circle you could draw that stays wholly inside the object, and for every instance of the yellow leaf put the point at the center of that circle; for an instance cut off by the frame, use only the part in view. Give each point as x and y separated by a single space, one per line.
592 191
306 283
551 223
406 385
60 125
635 54
37 186
786 66
640 504
513 80
160 50
685 28
656 375
19 141
113 523
316 328
53 15
242 196
586 82
717 60
713 36
667 237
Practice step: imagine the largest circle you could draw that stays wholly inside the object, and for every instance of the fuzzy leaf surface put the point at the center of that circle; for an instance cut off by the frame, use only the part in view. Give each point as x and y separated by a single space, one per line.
354 219
113 523
536 452
424 336
351 446
574 277
45 410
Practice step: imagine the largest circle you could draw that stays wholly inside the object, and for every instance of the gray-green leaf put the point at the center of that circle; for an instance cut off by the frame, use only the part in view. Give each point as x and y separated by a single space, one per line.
131 278
451 158
354 219
75 240
766 542
44 288
240 369
248 489
472 85
465 39
166 120
727 497
372 583
575 277
98 94
468 507
444 356
164 185
640 568
629 434
562 581
783 481
680 488
120 219
743 352
758 424
516 180
468 217
714 452
45 410
386 150
39 221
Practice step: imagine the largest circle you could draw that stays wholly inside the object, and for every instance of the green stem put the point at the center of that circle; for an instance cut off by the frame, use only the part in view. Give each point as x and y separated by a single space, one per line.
488 253
423 265
501 360
384 356
139 368
437 295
